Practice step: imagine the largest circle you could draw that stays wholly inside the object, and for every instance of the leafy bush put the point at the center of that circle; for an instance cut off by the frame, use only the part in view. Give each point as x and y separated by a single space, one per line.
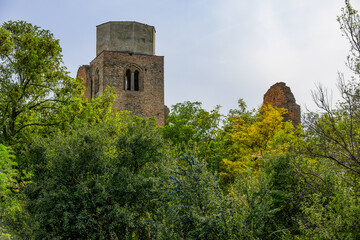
98 183
9 204
197 206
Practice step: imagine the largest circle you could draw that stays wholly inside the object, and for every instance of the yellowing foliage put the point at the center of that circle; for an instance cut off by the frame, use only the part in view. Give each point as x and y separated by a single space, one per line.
251 139
257 135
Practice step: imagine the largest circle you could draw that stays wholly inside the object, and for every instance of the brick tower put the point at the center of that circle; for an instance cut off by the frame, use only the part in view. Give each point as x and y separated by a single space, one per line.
125 59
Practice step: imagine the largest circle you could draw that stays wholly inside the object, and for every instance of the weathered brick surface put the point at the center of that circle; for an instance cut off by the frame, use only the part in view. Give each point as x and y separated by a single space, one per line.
112 66
123 46
84 73
280 95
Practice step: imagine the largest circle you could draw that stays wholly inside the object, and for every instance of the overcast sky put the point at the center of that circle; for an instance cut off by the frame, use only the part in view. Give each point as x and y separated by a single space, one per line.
216 51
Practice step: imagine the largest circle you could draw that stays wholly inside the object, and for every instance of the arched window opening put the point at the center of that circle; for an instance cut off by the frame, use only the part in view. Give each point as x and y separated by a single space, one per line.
96 81
136 80
132 79
128 80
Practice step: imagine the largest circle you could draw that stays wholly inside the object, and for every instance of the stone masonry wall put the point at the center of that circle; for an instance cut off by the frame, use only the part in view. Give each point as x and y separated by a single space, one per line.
149 100
97 65
280 95
124 36
84 73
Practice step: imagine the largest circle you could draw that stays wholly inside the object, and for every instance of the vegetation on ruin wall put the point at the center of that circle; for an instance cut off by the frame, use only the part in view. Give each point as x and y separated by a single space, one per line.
77 169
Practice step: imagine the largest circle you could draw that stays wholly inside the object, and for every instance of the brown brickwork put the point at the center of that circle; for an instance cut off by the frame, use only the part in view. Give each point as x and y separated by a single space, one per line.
112 66
280 95
84 73
138 78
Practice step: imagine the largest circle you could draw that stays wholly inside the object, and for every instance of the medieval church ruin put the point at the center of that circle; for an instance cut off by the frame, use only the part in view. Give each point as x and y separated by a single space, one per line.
126 60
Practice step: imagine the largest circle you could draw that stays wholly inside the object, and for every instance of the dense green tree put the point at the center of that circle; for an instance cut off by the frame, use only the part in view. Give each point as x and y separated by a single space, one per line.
190 127
330 208
8 174
9 204
349 24
188 124
269 203
102 174
96 183
33 82
197 207
334 132
37 97
284 189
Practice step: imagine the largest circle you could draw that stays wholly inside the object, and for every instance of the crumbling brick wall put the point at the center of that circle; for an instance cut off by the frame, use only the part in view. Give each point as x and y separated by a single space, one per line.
84 74
280 95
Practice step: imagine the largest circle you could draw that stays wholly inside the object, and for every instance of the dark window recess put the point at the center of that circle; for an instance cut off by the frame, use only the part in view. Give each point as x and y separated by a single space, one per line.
136 80
96 81
128 80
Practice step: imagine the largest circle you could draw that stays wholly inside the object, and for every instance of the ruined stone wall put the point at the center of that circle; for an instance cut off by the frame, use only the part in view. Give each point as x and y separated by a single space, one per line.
122 46
280 95
149 100
84 73
97 66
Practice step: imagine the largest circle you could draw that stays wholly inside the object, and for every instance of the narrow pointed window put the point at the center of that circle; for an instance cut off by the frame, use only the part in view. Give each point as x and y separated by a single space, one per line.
128 80
136 80
96 81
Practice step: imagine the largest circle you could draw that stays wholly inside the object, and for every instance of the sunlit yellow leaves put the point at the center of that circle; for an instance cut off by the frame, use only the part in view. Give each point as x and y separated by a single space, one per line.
257 135
253 138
